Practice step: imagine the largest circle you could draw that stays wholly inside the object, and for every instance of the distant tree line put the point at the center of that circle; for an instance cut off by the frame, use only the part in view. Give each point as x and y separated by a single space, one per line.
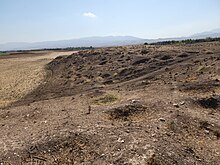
68 48
187 41
53 49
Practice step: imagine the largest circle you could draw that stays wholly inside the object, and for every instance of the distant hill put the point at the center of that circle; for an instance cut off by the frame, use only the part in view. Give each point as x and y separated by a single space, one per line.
82 42
99 41
213 34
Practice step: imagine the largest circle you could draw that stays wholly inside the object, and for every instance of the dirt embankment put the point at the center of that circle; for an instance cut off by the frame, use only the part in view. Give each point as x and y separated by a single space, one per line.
122 105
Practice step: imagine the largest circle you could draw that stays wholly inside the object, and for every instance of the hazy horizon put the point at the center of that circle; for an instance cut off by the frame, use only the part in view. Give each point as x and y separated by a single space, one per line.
53 20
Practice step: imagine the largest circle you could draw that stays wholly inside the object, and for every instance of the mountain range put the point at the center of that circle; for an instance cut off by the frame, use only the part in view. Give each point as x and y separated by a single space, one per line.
98 41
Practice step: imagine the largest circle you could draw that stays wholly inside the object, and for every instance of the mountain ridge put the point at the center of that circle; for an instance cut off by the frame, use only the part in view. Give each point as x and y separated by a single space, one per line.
98 41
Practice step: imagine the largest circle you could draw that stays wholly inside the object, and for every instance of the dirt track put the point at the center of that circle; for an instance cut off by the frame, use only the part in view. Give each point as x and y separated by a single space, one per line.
149 105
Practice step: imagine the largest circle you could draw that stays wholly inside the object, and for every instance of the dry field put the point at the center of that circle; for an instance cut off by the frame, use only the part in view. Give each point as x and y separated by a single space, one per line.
132 105
23 72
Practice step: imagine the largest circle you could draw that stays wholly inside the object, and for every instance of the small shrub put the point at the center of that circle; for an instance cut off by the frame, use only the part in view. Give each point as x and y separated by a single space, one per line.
109 98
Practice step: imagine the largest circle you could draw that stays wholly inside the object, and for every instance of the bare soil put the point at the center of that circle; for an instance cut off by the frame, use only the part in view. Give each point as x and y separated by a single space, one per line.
22 72
119 105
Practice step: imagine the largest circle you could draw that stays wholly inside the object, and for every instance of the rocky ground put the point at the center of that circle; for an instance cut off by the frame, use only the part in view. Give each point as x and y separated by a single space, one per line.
143 104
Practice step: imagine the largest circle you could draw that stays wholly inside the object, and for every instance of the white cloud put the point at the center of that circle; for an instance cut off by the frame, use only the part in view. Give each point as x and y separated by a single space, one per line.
89 14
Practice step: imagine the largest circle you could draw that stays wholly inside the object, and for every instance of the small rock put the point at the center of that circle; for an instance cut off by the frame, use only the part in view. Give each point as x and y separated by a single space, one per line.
162 119
134 101
120 140
168 134
182 103
207 131
169 154
176 105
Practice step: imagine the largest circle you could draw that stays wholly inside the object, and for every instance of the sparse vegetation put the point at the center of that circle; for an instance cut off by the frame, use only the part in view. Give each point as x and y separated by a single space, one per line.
187 41
48 49
108 98
3 54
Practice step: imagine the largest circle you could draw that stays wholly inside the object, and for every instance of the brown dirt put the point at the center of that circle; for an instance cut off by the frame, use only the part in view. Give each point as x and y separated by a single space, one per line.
121 105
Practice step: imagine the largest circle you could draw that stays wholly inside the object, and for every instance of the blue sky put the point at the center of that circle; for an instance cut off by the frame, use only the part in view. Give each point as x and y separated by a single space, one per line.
45 20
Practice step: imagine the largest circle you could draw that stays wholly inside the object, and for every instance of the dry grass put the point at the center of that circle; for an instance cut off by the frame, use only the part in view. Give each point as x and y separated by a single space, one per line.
108 98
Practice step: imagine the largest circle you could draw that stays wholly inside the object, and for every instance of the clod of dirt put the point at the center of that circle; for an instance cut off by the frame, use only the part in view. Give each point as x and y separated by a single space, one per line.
125 112
140 60
209 102
182 55
166 57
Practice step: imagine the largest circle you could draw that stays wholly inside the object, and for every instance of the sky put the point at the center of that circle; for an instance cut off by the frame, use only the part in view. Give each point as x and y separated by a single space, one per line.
49 20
